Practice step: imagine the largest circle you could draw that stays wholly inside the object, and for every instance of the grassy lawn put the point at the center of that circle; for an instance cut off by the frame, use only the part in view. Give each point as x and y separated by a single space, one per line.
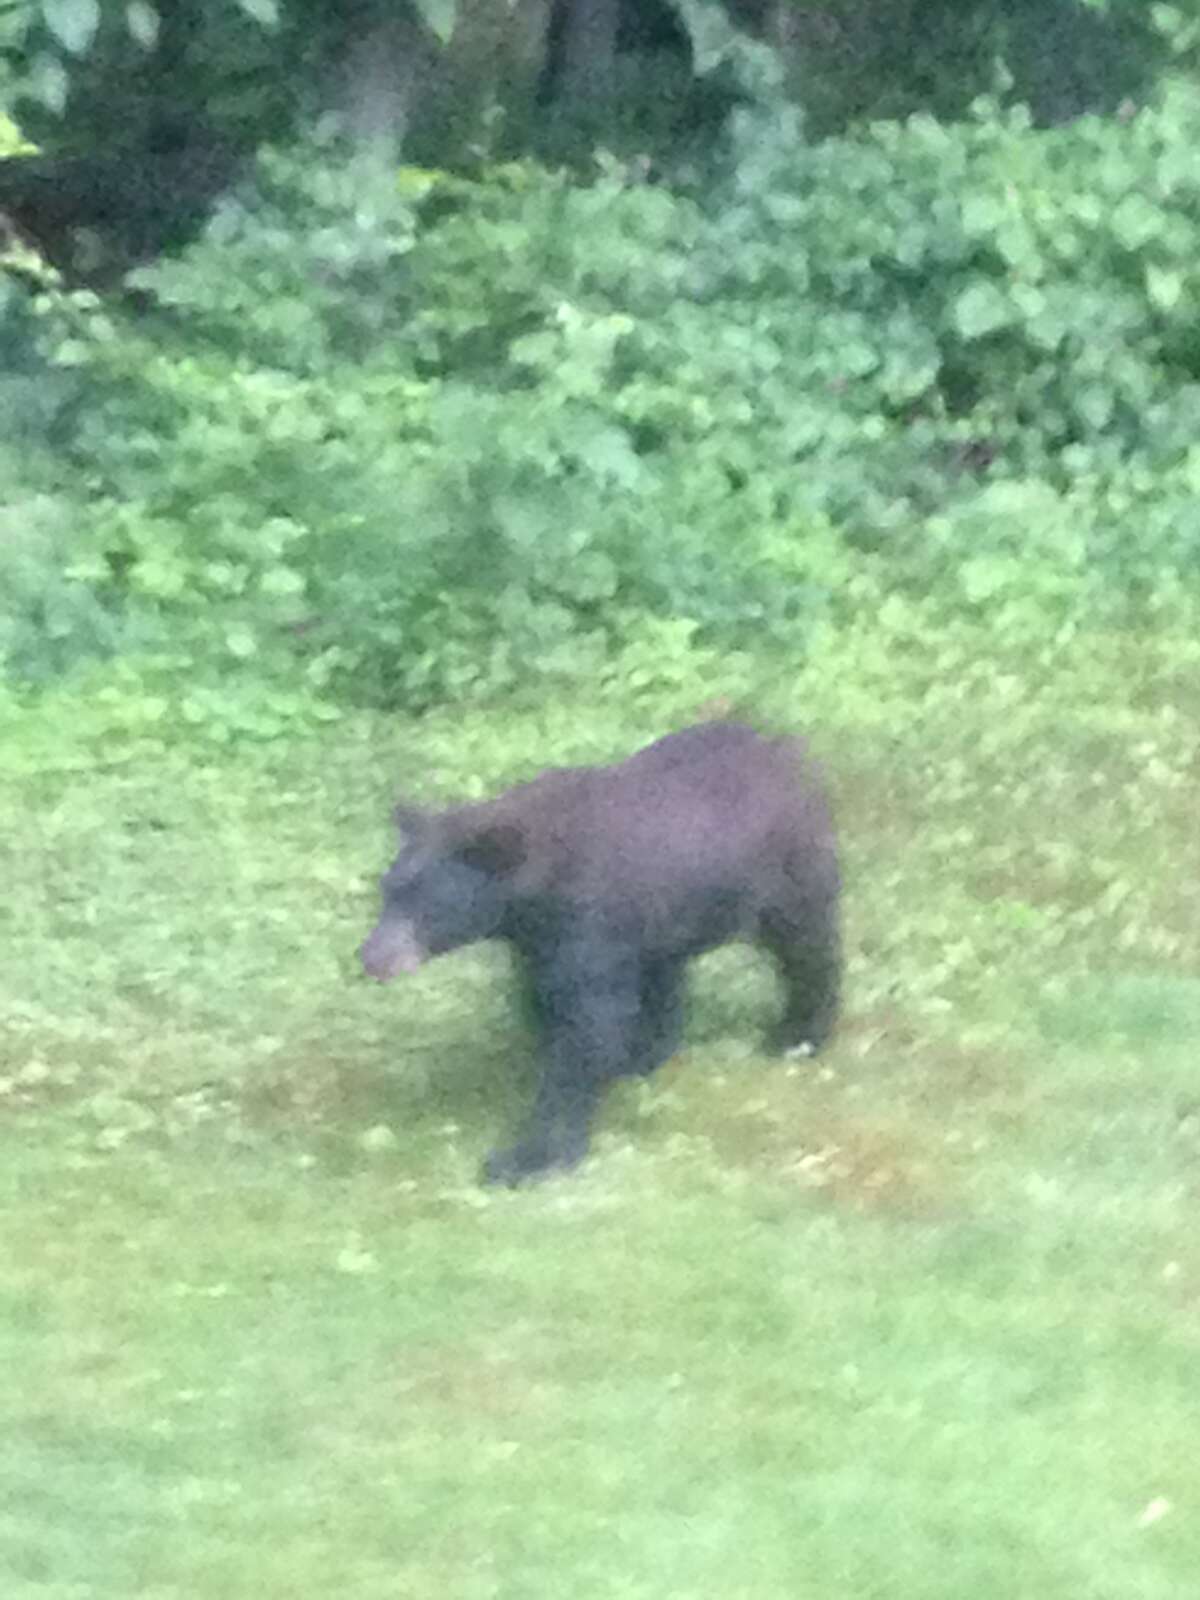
921 1319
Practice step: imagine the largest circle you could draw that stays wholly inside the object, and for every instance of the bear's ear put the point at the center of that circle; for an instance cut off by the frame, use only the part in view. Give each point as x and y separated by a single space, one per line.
411 821
494 846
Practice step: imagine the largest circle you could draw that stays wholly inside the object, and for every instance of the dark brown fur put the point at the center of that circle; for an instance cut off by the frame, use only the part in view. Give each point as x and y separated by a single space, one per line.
606 881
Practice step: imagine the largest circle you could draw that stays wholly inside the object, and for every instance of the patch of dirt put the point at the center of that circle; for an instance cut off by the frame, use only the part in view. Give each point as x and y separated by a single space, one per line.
904 1148
435 1389
468 1383
876 1167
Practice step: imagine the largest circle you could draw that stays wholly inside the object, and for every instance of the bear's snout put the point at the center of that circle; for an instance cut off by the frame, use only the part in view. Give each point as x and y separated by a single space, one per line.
392 948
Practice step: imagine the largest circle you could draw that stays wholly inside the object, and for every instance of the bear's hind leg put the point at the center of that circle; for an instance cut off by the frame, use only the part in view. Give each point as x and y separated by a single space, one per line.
808 956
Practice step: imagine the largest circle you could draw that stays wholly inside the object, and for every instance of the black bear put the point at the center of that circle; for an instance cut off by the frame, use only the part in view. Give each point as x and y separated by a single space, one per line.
605 881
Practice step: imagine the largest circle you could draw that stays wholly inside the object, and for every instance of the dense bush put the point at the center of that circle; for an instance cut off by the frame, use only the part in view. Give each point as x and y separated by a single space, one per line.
402 441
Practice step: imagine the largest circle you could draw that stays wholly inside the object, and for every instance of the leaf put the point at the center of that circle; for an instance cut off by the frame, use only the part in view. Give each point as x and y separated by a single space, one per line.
539 349
1165 287
72 22
264 11
240 642
142 21
353 1259
1095 403
11 141
48 84
416 182
609 454
1017 244
981 309
282 582
376 1138
439 16
590 576
857 359
983 577
1136 221
983 214
1048 327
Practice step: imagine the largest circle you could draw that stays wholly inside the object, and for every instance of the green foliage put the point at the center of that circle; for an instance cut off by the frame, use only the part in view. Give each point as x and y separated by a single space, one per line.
253 61
53 49
72 22
402 454
439 16
396 442
12 143
53 617
981 304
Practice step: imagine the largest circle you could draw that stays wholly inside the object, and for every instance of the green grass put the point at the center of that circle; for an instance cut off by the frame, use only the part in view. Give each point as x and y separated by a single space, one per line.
919 1320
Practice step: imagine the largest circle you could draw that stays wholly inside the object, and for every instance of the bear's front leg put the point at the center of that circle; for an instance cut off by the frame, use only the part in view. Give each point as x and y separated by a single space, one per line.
587 1005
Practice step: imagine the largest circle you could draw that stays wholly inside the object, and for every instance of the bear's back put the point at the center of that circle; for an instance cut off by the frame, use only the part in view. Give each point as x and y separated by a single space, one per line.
714 809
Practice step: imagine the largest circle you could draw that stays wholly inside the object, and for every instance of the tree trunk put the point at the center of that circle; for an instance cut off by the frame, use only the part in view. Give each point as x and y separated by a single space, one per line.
589 48
492 62
387 58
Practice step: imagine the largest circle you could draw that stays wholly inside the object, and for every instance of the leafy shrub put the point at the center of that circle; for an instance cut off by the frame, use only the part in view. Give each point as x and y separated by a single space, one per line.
421 489
12 143
400 442
980 305
53 615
